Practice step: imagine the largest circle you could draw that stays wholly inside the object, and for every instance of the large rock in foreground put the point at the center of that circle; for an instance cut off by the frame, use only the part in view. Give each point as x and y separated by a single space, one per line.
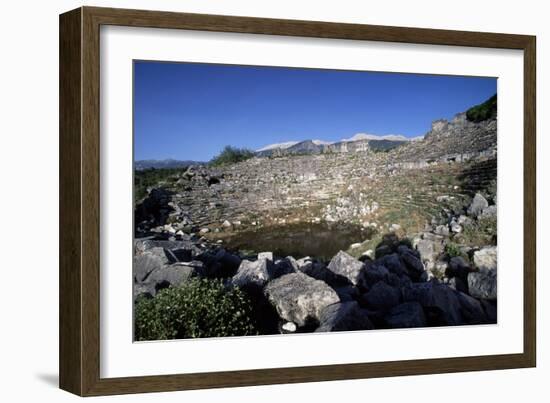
299 298
438 300
483 284
146 262
253 274
347 268
409 314
344 316
382 297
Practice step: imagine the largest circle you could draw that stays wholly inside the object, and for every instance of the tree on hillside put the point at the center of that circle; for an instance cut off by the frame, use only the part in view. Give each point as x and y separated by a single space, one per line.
231 155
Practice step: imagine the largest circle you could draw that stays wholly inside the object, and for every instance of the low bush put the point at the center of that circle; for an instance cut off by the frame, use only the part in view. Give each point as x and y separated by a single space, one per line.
452 250
197 308
232 155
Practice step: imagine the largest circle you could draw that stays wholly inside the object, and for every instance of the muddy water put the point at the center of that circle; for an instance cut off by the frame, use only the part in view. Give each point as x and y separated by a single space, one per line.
321 241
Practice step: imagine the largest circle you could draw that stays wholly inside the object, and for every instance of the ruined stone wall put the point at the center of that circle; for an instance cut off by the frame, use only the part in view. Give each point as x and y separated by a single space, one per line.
333 187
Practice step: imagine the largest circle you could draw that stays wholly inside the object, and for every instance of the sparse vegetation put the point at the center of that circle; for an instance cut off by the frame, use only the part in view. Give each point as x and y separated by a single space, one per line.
231 155
452 250
146 178
481 232
198 308
484 111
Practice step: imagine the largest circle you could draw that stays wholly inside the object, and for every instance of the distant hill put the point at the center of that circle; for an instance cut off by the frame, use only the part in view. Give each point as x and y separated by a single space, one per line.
358 142
160 164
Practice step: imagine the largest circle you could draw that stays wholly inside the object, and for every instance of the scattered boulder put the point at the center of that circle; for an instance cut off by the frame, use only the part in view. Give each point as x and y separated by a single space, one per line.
348 268
486 258
429 249
408 314
464 220
145 263
455 227
478 204
288 327
265 255
489 212
299 298
344 316
173 275
252 274
442 230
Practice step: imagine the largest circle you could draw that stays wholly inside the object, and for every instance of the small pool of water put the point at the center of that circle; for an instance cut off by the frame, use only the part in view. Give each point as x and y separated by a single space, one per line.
321 241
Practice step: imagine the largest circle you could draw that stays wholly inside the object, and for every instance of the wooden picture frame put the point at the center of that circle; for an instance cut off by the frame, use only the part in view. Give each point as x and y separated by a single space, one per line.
79 346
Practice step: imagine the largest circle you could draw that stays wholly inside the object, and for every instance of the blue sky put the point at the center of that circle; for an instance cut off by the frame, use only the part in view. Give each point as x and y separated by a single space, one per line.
191 111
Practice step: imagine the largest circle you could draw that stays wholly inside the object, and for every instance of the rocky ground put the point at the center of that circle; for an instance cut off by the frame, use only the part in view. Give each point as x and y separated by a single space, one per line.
430 259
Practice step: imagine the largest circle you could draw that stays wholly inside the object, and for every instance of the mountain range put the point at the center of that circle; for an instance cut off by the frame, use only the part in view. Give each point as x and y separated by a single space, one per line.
162 164
360 141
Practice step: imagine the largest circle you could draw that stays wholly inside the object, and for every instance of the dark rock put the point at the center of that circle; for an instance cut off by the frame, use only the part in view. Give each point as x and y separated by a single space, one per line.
347 293
438 300
182 254
382 296
299 298
490 308
345 316
471 309
317 270
230 263
395 281
414 266
458 267
459 284
213 181
283 266
408 314
393 263
348 268
382 251
403 249
375 273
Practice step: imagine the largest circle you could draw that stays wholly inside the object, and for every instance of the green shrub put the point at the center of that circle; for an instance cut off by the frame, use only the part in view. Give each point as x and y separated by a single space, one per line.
452 250
197 308
484 111
232 155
